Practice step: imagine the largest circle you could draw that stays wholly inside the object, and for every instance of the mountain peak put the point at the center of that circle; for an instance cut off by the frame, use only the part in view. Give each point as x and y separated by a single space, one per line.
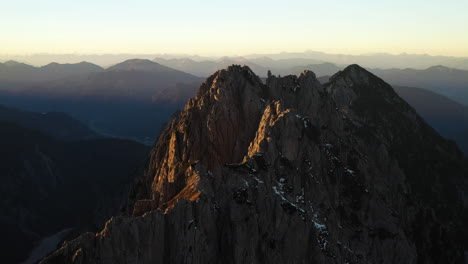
82 66
142 65
307 73
52 64
135 65
357 92
231 78
354 73
12 63
244 158
440 68
357 78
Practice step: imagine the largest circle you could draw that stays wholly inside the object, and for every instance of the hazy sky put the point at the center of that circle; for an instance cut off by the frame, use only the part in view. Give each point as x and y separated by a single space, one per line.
209 27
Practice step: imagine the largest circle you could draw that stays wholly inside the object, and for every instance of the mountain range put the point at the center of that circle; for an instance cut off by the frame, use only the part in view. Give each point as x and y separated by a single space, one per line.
291 171
447 116
206 67
15 71
143 94
286 59
452 83
117 101
375 60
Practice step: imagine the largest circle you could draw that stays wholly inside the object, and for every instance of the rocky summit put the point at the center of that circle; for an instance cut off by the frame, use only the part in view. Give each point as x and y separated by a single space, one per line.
291 171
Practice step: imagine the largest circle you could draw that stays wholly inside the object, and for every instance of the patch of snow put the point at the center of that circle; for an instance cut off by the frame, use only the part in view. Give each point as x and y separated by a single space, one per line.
258 180
328 146
278 192
246 182
281 195
320 227
300 198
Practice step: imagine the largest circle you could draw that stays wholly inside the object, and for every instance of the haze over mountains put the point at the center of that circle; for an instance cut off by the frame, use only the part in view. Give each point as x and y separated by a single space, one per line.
283 59
142 94
448 117
452 83
117 101
15 71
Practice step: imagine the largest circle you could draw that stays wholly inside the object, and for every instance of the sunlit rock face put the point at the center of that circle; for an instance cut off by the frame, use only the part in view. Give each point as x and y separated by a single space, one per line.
290 172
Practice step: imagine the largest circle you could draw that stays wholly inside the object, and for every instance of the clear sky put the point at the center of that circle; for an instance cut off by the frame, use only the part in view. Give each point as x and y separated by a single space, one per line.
208 27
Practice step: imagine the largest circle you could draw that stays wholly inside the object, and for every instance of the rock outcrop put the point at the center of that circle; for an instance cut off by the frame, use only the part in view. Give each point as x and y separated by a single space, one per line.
291 172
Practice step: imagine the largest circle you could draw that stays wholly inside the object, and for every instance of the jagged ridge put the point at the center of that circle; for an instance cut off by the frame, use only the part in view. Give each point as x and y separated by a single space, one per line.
290 171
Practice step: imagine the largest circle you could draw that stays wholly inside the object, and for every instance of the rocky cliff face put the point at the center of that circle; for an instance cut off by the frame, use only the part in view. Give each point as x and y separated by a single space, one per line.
290 172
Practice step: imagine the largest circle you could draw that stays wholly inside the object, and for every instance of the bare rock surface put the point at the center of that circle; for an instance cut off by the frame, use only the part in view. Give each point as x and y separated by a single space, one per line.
291 172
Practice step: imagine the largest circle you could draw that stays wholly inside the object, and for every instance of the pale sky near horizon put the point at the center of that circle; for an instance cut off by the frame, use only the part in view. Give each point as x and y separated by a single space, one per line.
234 27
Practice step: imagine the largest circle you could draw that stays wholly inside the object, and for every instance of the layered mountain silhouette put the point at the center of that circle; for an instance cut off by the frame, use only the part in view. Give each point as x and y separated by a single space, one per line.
276 60
206 67
131 80
116 102
322 69
452 83
15 71
448 117
375 60
291 171
443 80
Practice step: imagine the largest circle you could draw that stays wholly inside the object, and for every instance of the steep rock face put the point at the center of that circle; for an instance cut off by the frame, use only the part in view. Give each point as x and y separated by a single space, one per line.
290 172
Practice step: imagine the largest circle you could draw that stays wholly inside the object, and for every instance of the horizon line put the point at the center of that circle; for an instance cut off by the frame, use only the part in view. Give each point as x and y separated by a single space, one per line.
230 56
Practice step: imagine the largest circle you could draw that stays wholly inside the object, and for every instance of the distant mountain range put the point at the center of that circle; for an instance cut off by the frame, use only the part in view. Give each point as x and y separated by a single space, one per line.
207 67
117 101
275 60
142 94
377 60
452 83
15 71
448 117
